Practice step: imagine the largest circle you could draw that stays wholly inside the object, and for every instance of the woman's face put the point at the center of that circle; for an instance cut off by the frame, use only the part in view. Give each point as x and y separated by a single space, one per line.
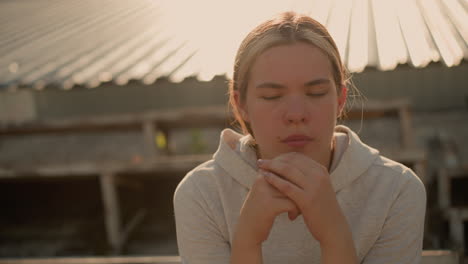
292 102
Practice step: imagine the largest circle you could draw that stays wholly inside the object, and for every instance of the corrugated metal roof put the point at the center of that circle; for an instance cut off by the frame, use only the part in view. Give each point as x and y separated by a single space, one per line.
67 43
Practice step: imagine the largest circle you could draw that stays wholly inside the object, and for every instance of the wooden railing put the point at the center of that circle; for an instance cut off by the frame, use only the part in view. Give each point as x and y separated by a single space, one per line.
161 160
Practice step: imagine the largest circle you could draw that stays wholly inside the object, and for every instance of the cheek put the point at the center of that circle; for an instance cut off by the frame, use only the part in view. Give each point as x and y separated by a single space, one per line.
262 117
325 115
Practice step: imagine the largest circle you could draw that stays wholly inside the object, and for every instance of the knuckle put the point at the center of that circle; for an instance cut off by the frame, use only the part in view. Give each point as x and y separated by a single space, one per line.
323 169
259 182
287 205
261 179
282 167
322 179
295 154
319 179
290 156
286 188
286 157
291 207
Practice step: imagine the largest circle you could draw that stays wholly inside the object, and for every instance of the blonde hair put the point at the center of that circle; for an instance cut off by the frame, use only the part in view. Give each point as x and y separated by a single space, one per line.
286 28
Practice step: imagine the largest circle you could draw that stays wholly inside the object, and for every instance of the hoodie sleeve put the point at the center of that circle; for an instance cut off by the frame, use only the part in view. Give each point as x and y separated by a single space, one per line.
198 236
401 237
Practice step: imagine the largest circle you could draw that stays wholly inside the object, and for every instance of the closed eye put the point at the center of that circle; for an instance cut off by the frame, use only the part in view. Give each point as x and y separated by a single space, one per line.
268 98
316 94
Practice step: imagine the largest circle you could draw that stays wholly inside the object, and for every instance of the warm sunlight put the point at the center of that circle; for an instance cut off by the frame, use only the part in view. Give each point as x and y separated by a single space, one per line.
376 33
215 29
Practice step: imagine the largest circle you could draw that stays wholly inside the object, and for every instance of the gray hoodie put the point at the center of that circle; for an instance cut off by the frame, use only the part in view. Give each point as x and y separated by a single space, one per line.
384 203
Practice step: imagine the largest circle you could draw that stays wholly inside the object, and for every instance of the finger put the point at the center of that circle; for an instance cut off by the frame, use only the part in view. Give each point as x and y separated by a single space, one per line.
302 162
290 207
292 215
285 205
264 186
287 188
285 170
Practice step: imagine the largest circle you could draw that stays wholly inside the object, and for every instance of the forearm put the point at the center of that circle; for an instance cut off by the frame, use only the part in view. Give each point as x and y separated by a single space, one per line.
339 251
244 252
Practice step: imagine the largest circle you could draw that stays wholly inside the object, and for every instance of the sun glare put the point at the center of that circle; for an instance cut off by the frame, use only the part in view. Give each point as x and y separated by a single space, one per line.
377 33
216 28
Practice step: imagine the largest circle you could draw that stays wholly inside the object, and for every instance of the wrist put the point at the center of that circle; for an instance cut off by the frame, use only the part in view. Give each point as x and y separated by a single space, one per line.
344 245
337 244
248 234
341 236
245 250
246 239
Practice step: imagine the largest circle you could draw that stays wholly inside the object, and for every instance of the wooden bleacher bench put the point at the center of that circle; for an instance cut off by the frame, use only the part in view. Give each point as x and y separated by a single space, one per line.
440 257
97 260
456 215
428 257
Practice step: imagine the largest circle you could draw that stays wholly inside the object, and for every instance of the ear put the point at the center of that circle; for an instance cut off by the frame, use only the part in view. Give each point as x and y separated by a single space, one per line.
241 107
342 99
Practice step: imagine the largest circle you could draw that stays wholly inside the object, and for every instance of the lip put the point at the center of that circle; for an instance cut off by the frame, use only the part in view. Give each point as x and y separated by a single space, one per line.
297 140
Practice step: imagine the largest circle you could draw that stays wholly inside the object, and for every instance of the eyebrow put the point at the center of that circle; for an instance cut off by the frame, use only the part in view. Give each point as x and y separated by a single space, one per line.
279 86
317 82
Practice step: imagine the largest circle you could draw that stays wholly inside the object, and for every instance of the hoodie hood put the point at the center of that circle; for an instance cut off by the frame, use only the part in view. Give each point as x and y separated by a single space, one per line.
232 161
238 159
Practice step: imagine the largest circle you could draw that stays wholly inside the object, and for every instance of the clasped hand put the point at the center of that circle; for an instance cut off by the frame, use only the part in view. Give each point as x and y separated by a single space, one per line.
296 184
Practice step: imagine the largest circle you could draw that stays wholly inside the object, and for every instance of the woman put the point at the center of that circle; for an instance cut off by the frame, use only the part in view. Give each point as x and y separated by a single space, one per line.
295 187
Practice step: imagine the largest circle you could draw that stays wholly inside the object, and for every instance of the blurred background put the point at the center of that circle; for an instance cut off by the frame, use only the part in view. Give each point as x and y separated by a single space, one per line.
105 105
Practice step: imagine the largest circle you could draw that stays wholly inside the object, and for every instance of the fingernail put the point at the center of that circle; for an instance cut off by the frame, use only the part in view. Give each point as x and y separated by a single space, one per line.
260 162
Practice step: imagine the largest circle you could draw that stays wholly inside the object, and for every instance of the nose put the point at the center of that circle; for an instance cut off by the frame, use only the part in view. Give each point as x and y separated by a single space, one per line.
295 111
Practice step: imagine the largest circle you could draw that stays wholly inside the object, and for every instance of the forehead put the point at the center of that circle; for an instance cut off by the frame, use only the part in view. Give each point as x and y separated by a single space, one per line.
298 62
